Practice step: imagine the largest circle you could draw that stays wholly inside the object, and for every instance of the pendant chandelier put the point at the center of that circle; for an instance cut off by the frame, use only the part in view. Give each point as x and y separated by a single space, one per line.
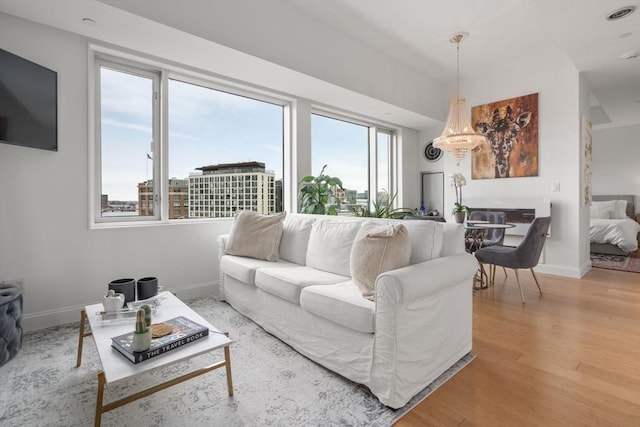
458 136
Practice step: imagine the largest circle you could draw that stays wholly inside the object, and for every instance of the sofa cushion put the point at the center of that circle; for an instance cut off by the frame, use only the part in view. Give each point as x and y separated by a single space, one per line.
287 283
426 240
244 269
330 244
341 303
378 248
255 235
452 239
295 238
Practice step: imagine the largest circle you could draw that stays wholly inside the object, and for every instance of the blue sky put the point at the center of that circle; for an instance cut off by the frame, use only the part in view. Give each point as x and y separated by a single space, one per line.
209 127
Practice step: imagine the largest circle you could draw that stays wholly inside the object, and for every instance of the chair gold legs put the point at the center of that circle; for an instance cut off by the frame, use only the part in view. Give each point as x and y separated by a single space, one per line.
536 279
492 273
519 286
491 277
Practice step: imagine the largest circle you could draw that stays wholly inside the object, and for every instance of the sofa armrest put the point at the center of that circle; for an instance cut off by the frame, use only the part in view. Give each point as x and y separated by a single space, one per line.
423 279
222 244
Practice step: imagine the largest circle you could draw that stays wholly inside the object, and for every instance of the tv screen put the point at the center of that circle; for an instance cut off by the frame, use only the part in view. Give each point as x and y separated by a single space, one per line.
28 103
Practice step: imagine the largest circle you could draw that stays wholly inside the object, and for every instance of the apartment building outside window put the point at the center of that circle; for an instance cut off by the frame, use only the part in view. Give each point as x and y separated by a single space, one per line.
153 122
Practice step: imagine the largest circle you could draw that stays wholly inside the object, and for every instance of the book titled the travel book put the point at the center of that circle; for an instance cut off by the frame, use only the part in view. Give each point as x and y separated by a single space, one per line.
184 331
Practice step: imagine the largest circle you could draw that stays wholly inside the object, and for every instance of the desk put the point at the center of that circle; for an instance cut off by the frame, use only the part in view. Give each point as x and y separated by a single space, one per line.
474 232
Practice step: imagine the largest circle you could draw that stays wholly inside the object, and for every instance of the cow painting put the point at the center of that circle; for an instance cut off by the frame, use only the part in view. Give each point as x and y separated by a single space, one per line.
511 128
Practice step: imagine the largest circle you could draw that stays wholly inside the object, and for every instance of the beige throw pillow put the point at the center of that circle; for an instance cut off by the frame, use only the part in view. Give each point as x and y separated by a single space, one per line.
255 235
378 248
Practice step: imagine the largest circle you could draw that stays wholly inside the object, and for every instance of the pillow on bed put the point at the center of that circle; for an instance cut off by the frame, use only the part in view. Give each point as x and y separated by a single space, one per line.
603 210
620 211
596 213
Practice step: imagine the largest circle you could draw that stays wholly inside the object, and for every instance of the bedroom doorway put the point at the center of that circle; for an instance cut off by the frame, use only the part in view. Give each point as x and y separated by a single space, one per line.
432 191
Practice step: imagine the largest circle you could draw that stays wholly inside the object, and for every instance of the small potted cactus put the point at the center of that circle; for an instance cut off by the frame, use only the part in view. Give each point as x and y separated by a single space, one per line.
142 334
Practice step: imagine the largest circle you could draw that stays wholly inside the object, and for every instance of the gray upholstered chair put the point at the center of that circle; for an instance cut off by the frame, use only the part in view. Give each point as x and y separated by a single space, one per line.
493 236
525 255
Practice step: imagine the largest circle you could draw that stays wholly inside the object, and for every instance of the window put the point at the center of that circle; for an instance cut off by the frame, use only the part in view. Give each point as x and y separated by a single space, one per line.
359 154
215 137
127 131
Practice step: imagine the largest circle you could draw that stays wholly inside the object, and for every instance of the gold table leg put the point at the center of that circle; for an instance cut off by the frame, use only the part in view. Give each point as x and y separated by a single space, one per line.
227 360
101 409
99 398
81 335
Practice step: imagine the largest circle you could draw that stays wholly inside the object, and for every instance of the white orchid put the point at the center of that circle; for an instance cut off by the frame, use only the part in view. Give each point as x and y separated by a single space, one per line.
458 180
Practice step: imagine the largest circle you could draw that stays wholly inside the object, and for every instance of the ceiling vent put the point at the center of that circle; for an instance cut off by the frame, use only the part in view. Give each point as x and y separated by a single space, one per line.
620 13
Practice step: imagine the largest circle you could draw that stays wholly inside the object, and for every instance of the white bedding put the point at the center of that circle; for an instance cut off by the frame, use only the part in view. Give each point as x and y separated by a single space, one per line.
620 232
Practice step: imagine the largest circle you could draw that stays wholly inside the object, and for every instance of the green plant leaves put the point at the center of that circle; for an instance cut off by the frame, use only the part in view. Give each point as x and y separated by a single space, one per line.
317 194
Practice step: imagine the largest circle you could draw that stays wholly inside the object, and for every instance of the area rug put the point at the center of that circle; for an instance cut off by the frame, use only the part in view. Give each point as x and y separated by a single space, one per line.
273 385
617 262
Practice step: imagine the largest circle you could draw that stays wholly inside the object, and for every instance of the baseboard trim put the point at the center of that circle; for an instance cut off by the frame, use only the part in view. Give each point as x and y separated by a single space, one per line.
559 270
64 315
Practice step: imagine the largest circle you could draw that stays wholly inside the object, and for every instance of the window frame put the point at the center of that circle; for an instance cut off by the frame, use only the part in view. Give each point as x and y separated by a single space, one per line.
137 70
119 61
374 127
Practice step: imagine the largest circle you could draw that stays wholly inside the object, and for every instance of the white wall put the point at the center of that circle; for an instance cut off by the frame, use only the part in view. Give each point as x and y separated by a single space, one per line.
45 238
44 235
556 81
616 161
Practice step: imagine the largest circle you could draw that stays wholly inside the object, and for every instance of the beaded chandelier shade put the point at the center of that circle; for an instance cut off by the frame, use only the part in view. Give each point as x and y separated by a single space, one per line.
458 136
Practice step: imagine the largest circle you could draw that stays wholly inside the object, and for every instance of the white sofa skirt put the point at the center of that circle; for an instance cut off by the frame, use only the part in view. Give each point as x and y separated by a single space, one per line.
415 340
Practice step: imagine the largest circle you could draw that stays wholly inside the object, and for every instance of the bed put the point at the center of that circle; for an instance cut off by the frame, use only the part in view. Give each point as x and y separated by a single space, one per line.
612 227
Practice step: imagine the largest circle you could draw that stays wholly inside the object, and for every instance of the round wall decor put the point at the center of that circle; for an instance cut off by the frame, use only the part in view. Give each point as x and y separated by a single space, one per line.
432 153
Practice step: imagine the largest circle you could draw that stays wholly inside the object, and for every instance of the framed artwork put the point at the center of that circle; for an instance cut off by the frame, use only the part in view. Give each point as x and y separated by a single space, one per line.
586 161
511 126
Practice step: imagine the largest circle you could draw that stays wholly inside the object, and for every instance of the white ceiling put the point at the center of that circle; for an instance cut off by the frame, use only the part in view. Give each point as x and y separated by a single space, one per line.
414 33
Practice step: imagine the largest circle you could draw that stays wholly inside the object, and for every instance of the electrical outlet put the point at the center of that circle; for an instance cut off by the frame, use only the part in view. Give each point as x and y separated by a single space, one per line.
555 188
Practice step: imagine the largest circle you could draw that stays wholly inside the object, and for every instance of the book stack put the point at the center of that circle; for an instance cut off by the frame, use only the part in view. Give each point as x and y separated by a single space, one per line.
184 331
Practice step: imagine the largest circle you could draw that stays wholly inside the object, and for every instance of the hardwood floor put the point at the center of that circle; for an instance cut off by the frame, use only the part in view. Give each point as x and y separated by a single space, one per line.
569 357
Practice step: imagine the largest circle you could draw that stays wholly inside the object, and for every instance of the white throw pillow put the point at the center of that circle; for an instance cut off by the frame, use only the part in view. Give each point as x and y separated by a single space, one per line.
599 210
601 213
330 245
378 248
621 210
255 236
426 239
295 238
452 239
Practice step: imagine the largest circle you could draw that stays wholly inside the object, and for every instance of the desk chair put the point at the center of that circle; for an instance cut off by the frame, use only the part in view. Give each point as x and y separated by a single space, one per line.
525 255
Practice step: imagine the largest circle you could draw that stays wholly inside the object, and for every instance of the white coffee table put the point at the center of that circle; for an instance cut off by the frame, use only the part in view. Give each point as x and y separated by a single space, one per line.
116 367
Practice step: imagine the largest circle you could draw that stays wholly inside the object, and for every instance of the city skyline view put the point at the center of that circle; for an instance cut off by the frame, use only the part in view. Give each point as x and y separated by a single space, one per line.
209 127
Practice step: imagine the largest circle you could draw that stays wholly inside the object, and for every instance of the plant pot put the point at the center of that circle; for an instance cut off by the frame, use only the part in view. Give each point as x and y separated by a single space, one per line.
113 301
459 216
142 341
127 287
147 287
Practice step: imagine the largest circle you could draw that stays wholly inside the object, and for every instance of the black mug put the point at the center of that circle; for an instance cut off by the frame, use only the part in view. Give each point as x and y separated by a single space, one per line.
147 287
126 287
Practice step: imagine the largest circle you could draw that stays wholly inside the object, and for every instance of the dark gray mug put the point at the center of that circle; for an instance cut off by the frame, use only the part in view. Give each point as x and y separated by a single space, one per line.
147 287
127 287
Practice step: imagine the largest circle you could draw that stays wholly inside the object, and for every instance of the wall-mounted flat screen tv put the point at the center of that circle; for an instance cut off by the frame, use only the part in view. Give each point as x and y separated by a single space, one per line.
28 103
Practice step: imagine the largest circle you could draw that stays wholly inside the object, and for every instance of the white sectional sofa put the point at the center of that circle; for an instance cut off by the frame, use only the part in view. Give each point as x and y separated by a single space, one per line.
418 326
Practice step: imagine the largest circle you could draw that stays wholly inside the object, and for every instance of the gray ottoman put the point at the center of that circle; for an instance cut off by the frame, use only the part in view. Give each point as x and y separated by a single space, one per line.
10 322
